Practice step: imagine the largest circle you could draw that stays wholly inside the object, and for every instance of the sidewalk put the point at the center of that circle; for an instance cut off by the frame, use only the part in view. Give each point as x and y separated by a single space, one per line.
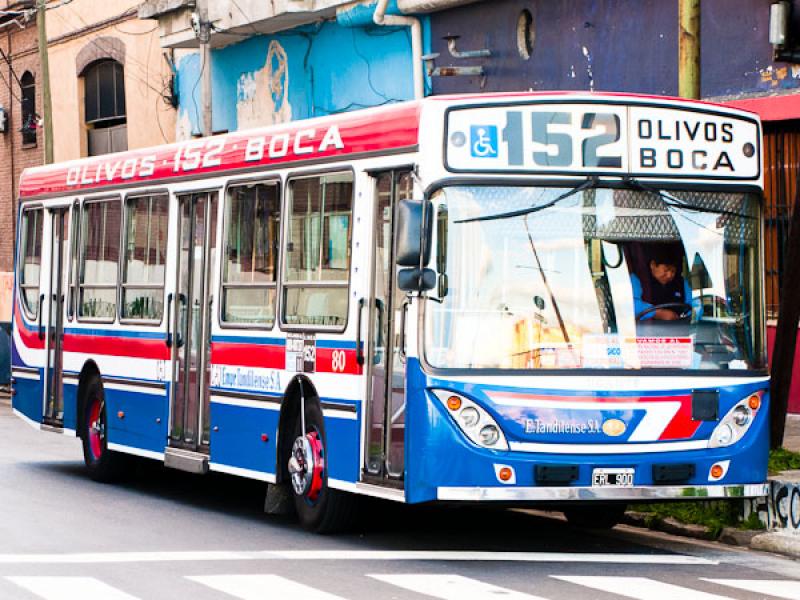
791 437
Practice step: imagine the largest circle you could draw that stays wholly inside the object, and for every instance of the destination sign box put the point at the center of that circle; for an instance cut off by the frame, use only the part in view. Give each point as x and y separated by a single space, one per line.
636 140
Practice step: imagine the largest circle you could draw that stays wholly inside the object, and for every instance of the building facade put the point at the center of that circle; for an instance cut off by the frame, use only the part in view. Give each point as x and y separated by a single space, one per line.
111 89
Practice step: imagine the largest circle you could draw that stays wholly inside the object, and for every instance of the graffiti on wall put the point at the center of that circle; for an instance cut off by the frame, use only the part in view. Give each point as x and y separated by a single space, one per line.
780 509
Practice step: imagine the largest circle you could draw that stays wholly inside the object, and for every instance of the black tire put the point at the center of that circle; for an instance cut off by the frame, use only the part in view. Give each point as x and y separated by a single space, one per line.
603 516
332 510
102 464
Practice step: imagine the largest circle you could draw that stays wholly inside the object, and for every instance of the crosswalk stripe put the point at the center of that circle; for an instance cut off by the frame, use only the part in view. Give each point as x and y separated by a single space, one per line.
452 587
259 587
640 588
780 588
70 588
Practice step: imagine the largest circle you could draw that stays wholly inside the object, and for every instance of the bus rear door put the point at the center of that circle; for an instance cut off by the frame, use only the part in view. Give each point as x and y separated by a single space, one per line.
53 294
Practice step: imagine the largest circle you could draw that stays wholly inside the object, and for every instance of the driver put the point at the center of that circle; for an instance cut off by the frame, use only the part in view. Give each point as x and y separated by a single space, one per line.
661 284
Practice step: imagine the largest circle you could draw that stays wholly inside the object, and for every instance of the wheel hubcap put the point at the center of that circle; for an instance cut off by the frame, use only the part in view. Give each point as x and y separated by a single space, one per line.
306 466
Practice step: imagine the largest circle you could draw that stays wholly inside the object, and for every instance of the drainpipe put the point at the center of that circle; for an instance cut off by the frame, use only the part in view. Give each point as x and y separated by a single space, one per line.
381 18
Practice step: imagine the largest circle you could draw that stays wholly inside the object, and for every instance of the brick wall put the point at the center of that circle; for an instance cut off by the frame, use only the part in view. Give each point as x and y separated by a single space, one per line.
20 45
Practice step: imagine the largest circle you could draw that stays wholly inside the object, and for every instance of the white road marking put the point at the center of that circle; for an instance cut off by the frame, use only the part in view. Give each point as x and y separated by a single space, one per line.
640 588
452 587
70 588
259 587
780 588
364 555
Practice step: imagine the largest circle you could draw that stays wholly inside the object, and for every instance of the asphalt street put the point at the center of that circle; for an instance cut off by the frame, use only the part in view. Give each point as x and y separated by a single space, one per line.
166 534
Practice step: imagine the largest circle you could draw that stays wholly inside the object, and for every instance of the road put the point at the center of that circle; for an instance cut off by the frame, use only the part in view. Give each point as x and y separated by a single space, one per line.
166 534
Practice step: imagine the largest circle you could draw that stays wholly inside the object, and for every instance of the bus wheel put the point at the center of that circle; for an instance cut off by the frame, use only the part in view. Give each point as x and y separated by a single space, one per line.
319 508
103 464
603 516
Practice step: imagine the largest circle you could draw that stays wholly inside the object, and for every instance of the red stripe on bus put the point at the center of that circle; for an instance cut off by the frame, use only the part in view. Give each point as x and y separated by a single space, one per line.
155 349
248 355
28 337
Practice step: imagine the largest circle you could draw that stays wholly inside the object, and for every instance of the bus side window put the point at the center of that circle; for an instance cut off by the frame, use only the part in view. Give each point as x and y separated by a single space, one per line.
31 261
100 231
146 219
317 263
250 268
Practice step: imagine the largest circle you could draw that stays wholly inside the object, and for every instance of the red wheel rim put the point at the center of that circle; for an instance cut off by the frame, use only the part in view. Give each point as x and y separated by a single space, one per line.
319 466
97 430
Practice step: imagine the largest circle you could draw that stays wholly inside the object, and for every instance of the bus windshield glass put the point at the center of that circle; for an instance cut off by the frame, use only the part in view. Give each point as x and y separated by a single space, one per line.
586 277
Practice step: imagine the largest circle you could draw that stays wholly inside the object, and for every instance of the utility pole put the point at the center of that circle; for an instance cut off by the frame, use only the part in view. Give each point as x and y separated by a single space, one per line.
47 108
204 35
689 49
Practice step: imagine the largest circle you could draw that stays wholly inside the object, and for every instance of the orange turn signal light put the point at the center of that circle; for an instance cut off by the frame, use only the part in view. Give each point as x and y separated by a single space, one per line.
505 474
754 402
454 403
716 471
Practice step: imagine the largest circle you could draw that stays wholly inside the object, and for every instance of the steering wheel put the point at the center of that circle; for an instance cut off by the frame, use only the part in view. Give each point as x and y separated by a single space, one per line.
683 309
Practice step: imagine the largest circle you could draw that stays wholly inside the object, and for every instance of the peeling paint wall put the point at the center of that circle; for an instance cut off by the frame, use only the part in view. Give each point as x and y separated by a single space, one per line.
298 74
611 45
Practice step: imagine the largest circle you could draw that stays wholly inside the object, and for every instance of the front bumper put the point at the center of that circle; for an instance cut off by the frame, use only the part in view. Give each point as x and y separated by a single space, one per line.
632 494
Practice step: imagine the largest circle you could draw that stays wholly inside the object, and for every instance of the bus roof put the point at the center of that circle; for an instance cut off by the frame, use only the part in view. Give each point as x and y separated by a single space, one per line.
380 130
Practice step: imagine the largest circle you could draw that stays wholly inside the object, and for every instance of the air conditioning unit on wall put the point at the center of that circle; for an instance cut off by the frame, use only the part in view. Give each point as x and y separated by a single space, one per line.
3 120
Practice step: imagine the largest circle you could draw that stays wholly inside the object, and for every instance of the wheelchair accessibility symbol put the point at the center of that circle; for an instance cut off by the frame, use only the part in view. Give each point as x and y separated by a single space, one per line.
483 141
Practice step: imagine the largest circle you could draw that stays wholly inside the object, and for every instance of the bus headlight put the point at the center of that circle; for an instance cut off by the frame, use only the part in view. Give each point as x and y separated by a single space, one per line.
476 423
735 423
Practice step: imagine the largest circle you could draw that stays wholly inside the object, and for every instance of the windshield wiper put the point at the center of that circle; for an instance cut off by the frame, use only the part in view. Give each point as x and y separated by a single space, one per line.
591 181
674 202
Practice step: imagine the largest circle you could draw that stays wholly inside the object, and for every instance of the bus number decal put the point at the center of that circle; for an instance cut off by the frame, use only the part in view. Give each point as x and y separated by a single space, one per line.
338 361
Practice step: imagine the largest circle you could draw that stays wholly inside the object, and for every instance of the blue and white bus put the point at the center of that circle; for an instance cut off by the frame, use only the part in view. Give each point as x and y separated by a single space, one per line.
534 299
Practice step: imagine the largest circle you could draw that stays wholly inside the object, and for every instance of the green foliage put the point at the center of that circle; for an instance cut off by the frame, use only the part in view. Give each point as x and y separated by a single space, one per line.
783 460
714 515
752 522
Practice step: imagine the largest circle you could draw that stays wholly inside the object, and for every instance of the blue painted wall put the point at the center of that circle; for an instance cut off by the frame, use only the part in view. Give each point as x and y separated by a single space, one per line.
612 45
329 67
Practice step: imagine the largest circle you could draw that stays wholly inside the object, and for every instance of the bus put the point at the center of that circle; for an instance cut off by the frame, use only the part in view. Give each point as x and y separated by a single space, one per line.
527 299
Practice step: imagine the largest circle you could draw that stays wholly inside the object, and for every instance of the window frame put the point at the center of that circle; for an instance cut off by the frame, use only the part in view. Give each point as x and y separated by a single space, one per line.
80 285
76 218
286 285
21 263
33 140
223 246
122 270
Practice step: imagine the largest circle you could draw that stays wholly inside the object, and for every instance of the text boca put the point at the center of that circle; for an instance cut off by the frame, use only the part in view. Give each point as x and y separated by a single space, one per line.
671 145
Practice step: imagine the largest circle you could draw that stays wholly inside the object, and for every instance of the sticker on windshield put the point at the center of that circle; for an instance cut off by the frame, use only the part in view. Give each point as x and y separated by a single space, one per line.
663 352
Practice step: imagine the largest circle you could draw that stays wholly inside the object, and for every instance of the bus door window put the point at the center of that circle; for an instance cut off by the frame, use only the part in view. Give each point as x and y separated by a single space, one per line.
196 251
59 237
386 440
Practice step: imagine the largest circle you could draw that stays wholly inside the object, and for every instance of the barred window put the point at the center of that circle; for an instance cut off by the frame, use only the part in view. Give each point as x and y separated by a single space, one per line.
99 260
317 267
146 220
252 223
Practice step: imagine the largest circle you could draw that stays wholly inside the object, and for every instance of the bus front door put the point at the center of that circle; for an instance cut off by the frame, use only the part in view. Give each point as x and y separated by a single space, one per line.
191 321
53 303
386 368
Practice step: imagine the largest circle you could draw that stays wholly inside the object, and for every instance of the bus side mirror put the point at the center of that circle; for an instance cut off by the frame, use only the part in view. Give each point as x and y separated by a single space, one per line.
413 250
414 224
416 279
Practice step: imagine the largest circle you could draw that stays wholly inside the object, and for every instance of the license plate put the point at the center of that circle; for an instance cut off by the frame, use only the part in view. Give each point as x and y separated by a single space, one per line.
612 478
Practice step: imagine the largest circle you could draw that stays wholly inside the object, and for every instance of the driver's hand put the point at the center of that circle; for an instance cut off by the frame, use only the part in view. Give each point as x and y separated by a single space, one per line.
665 314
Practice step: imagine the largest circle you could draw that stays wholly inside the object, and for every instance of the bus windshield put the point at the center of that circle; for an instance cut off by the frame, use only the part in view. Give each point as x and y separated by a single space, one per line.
589 277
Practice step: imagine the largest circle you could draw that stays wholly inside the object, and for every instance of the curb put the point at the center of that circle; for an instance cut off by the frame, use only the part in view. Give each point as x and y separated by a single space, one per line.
787 544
